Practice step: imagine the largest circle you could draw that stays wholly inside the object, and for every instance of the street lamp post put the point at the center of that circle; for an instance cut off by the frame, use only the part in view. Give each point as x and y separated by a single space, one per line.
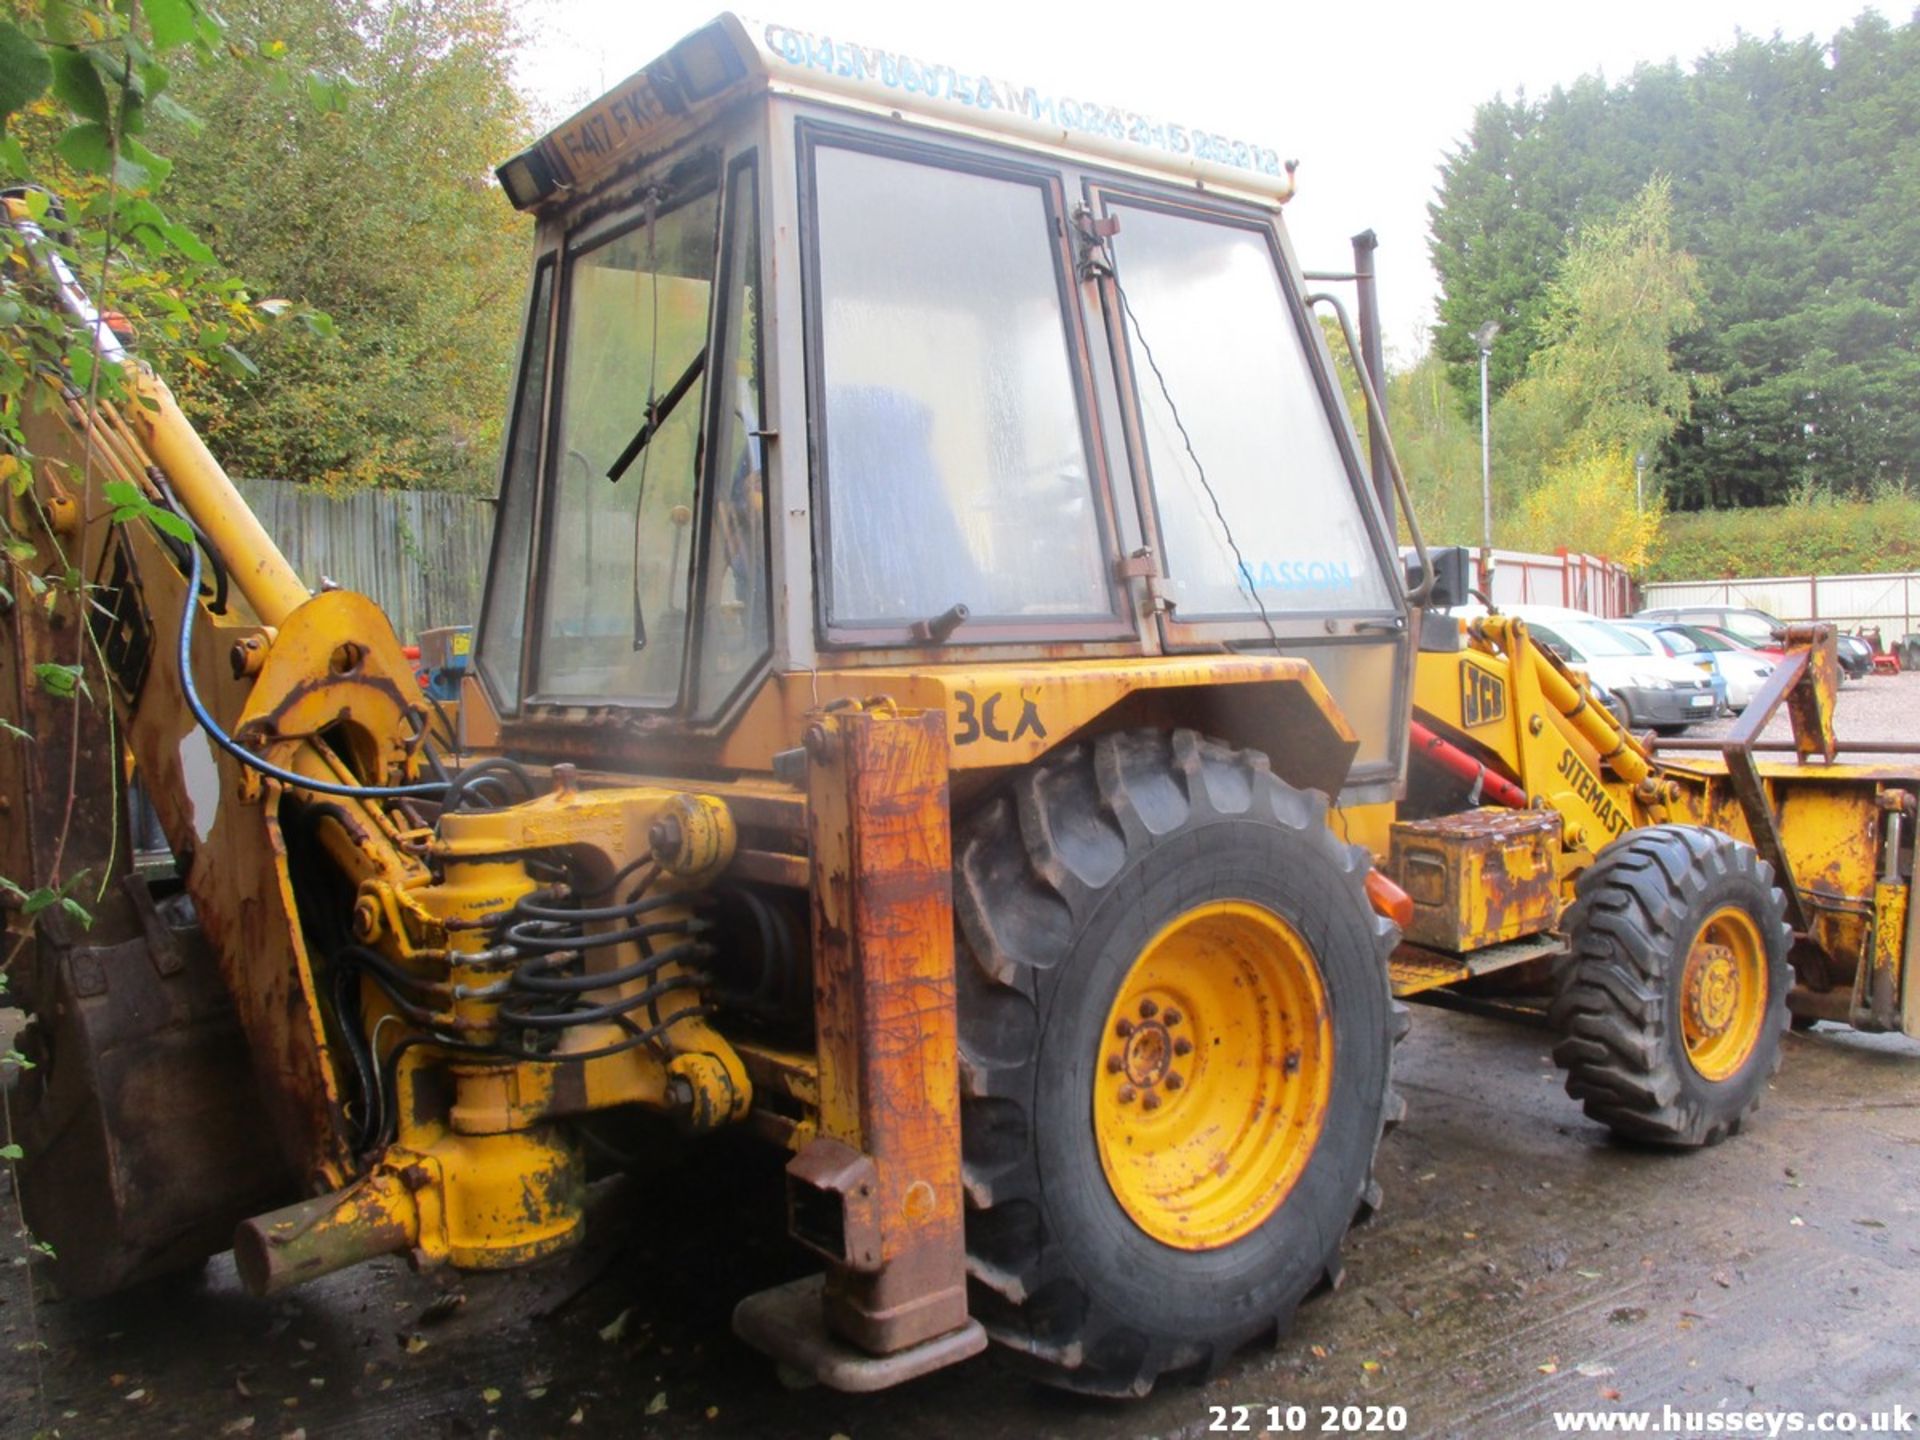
1484 337
1639 478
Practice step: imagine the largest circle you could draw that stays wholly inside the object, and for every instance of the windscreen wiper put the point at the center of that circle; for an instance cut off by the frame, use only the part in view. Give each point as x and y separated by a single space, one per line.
657 413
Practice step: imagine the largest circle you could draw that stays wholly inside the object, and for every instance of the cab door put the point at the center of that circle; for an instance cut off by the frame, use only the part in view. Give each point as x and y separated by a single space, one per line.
1263 530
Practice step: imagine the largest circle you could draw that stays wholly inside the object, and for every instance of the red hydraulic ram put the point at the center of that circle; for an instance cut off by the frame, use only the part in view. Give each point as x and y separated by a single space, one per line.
1456 761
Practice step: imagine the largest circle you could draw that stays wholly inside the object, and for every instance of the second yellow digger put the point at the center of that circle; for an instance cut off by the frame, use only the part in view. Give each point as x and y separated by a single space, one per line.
1675 908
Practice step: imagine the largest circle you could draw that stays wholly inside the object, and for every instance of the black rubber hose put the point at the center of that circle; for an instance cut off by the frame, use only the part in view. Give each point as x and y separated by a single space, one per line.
526 979
613 1009
226 742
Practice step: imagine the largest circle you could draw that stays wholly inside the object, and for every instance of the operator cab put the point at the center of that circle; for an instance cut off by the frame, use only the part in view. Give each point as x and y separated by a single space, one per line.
837 358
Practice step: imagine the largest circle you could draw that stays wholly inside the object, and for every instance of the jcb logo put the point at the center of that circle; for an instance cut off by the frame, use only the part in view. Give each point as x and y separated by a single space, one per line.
1483 696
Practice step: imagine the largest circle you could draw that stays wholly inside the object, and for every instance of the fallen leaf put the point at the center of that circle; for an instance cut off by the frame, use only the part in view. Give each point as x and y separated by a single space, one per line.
1550 1367
1370 1366
490 1395
713 1412
615 1330
240 1387
116 1381
1723 1280
414 1344
242 1426
318 1382
135 1395
1872 1224
1469 1235
657 1403
1796 1220
1319 1352
300 1434
538 1392
1609 1393
1592 1369
1588 1274
578 1417
309 1344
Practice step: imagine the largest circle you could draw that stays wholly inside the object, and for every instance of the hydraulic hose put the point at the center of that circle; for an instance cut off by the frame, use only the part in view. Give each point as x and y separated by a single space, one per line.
245 756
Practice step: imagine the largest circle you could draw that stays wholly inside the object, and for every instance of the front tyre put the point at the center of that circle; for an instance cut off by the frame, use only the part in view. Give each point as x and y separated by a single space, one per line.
1671 1001
1176 1039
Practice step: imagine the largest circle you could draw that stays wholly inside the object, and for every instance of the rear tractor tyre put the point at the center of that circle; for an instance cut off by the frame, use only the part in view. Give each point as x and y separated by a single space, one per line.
1672 999
1176 1042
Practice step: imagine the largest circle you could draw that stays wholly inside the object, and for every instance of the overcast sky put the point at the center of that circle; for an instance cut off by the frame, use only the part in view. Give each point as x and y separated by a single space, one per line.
1368 98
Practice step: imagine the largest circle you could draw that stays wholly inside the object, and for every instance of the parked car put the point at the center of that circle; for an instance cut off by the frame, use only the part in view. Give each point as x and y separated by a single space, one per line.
1680 648
1856 656
1741 669
1760 631
1754 628
1650 688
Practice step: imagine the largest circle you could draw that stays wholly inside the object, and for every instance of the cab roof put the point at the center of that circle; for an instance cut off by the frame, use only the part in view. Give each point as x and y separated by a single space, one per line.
730 58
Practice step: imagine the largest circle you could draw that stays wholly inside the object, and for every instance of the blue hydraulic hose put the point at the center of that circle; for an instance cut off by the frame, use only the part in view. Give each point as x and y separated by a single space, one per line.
246 757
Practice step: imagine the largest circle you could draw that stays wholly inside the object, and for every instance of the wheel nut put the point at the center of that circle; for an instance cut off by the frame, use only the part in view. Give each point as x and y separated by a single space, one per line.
1173 1016
1115 1064
1183 1046
1174 1082
1127 1093
1293 1062
1123 1029
1150 1101
1148 1009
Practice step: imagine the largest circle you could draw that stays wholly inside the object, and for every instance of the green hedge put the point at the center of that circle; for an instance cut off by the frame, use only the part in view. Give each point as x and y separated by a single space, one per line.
1816 537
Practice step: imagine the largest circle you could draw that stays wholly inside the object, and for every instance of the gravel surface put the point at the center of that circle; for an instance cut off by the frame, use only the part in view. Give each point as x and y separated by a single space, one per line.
1879 707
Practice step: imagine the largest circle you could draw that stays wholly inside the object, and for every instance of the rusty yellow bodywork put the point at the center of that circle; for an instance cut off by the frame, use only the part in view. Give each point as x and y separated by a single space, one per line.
1479 878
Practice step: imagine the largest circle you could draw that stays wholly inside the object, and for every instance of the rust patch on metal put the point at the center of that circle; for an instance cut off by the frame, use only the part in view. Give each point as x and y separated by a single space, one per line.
886 1030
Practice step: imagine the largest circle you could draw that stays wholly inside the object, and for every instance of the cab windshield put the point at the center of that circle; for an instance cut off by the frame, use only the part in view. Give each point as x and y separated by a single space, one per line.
620 536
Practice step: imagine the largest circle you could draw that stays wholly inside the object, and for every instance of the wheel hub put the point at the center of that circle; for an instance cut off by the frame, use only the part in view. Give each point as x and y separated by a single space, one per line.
1723 994
1713 989
1148 1058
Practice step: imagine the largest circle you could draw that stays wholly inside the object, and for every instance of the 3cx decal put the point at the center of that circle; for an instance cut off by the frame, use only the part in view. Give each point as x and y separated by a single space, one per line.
979 717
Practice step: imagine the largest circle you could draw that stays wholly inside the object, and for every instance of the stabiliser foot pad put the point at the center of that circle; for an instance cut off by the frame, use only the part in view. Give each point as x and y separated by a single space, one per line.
789 1323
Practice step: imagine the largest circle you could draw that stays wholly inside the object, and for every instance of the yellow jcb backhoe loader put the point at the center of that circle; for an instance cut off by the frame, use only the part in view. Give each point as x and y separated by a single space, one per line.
1671 907
943 666
879 737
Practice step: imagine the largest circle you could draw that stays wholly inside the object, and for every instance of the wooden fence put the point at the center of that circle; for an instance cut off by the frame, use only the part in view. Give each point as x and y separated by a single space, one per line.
421 555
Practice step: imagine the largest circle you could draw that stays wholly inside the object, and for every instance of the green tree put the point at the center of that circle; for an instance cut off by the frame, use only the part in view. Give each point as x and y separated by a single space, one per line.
377 205
1439 451
1602 388
1603 376
1796 184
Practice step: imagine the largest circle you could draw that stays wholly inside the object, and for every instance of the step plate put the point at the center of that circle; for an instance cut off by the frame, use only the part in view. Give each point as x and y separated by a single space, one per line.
1414 968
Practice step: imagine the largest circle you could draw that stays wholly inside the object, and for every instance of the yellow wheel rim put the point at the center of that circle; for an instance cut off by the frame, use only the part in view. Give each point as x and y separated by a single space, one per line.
1211 1082
1723 993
